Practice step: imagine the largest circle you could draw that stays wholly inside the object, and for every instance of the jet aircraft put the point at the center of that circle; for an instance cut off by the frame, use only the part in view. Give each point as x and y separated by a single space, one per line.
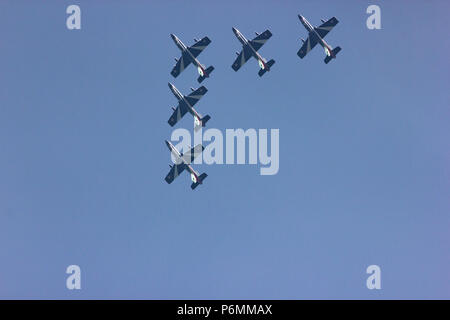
182 162
316 35
250 49
186 104
189 55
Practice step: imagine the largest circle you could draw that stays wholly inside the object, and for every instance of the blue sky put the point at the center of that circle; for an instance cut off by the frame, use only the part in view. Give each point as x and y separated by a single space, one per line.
364 153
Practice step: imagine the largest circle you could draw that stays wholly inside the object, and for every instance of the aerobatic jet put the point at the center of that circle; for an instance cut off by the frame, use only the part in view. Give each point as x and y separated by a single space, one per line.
182 162
316 35
189 55
250 49
186 104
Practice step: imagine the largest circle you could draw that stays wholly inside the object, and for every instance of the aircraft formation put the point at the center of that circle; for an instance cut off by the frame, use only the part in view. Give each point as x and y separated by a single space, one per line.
249 49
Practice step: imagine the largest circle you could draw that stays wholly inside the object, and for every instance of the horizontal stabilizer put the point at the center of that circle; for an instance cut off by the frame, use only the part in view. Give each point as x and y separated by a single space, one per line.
267 68
199 181
201 123
335 51
206 75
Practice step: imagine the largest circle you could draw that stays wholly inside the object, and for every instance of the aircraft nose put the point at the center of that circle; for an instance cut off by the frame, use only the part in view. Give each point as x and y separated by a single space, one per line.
167 143
173 36
234 29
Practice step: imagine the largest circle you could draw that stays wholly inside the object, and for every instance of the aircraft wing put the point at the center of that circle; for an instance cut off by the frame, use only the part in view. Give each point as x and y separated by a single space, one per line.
258 42
198 47
178 113
189 156
181 64
196 95
308 45
242 58
174 172
326 27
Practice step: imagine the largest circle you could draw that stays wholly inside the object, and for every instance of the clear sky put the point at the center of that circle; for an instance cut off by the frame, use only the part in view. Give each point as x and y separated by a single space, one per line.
364 153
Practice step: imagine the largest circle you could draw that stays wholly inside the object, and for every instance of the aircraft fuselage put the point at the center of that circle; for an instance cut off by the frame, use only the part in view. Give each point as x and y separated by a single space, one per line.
246 43
312 31
179 159
182 98
183 49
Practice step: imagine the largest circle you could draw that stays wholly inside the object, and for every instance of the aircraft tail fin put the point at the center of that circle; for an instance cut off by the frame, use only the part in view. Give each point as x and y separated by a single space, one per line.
199 124
269 64
335 51
199 181
207 73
